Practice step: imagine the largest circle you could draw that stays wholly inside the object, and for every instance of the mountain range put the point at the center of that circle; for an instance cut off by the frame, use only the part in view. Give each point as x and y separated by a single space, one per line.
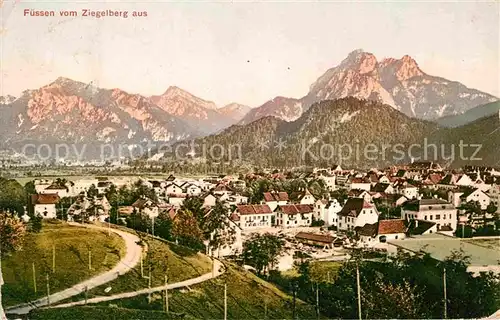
68 111
353 132
399 83
392 95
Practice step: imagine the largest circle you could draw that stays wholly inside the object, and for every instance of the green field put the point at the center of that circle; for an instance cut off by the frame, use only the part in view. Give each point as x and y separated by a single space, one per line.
71 260
178 262
249 297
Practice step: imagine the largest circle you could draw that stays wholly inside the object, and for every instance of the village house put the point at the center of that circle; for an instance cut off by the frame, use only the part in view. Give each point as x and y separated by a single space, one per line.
327 210
254 216
303 197
61 191
476 195
324 241
438 211
44 205
294 215
386 230
329 180
173 188
236 200
191 189
223 190
360 193
359 184
275 199
209 200
383 187
356 213
146 206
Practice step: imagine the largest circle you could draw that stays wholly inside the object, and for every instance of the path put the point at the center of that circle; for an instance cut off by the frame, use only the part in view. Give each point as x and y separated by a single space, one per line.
218 266
128 262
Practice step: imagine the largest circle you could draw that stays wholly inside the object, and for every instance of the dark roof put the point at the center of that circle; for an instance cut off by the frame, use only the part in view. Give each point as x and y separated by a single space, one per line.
369 230
391 226
353 207
380 187
245 209
324 238
416 227
48 198
448 179
295 208
55 186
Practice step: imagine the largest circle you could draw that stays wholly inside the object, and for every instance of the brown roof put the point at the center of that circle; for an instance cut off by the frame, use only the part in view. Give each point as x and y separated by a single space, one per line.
275 196
296 208
325 238
391 226
245 209
48 198
353 207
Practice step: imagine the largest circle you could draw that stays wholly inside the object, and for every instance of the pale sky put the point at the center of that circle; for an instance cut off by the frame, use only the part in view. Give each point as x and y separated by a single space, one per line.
243 52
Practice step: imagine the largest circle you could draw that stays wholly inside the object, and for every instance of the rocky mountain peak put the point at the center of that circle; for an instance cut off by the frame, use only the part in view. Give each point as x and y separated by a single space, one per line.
402 69
360 61
174 92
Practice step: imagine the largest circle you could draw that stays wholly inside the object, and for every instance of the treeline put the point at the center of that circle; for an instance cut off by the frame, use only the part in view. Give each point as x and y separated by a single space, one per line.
400 287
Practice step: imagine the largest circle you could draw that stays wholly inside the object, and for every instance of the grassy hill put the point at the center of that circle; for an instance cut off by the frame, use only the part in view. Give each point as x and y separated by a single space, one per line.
71 260
178 262
249 297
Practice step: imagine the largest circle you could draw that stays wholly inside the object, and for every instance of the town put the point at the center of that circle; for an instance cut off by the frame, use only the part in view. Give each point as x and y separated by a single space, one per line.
322 215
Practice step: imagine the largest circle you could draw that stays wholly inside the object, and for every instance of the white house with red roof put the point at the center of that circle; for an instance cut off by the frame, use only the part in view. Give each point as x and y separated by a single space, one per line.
275 199
356 213
294 215
254 216
44 205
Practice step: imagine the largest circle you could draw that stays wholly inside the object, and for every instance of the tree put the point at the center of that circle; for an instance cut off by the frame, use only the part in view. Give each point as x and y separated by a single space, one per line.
12 196
194 205
12 231
163 226
262 251
36 223
187 231
29 188
92 191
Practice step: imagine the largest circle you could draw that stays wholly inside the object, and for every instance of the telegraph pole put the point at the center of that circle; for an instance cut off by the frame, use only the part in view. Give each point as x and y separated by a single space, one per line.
166 294
34 277
90 259
359 291
317 301
444 289
149 284
294 298
225 301
48 289
53 258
